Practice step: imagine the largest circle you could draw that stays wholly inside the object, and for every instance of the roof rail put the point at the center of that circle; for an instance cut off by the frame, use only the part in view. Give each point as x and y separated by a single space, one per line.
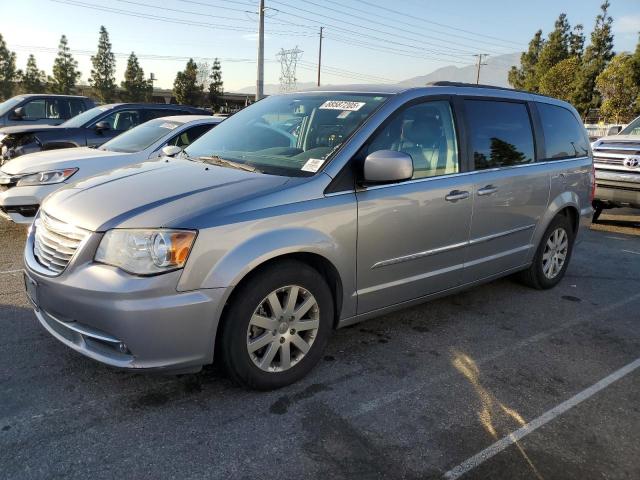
444 83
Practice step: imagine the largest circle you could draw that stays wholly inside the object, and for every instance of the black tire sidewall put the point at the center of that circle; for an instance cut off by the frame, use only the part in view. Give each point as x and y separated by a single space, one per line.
234 332
543 281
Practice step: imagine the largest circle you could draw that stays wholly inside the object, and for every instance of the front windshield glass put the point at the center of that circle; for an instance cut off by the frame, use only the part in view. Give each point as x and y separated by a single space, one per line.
291 135
85 117
140 137
632 129
9 104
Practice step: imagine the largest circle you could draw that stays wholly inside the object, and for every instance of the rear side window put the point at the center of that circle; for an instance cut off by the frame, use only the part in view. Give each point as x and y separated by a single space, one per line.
500 133
76 106
563 136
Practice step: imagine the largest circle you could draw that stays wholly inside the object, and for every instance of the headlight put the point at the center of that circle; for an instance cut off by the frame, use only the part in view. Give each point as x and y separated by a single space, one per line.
46 178
145 252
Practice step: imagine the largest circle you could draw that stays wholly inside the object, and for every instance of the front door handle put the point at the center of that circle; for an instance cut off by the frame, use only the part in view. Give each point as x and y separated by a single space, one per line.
456 195
488 190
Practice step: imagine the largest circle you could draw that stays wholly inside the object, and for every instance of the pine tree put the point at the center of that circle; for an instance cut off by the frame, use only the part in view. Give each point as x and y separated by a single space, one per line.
636 74
185 87
215 86
32 80
596 57
576 41
556 48
8 71
524 77
103 72
136 87
619 89
65 70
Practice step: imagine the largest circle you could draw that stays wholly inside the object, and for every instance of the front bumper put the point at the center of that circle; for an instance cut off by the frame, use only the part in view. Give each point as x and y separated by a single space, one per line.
122 320
617 188
20 204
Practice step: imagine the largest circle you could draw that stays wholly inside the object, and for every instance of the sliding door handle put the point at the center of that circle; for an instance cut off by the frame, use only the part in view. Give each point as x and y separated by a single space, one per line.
488 190
456 195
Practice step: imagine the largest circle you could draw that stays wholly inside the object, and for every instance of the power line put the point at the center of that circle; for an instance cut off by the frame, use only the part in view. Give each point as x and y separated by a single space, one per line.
396 34
519 44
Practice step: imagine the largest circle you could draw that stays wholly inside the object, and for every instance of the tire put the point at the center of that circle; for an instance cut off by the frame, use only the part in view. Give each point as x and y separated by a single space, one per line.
535 275
256 337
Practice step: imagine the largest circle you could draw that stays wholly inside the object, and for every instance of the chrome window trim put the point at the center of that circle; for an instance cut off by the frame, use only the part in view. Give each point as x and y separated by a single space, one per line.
446 248
459 174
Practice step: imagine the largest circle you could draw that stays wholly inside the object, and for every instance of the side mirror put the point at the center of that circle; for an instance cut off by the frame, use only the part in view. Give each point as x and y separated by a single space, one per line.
101 126
171 150
387 166
18 113
614 130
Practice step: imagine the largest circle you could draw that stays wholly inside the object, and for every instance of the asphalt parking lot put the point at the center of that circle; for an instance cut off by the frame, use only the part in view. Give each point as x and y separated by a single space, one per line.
421 393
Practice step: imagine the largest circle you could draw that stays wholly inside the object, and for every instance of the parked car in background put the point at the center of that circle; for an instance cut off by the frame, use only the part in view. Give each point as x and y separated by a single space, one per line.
91 128
257 241
27 180
617 162
42 109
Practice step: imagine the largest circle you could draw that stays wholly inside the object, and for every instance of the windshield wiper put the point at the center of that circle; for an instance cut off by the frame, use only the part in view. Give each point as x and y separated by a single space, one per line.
223 162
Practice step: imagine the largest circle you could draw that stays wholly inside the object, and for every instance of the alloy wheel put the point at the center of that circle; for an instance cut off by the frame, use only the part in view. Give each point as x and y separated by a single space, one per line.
282 328
555 253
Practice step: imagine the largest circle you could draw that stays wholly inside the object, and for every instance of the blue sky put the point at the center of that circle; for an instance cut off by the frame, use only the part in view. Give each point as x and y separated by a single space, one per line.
363 44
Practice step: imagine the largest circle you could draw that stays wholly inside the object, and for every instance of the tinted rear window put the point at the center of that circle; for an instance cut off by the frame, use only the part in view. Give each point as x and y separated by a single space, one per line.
500 133
564 137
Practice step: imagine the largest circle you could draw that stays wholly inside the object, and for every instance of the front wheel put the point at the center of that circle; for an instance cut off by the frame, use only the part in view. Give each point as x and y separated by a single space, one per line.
277 326
552 256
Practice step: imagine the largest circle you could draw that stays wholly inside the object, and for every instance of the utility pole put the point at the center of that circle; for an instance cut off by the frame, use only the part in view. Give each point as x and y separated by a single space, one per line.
260 79
479 55
320 55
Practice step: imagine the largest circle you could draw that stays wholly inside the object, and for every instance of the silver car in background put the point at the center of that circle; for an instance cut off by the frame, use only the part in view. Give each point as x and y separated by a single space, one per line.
25 181
306 212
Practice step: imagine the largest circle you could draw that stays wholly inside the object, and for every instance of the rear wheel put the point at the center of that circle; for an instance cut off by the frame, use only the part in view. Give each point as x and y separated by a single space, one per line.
277 326
552 256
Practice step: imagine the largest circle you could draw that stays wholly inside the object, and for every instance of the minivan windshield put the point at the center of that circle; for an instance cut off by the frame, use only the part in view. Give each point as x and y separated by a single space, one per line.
290 135
141 137
632 129
9 104
85 117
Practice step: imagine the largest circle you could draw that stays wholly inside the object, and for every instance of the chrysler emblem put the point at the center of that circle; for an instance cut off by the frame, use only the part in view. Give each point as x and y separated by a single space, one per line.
631 162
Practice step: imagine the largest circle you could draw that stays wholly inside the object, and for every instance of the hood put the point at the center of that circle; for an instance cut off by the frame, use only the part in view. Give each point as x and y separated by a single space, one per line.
152 194
55 159
619 139
28 128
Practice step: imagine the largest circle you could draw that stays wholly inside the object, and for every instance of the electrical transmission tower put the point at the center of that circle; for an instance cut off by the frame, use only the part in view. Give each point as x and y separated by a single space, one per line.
288 63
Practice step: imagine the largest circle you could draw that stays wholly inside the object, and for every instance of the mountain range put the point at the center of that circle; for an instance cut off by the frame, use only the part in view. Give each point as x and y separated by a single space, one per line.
495 72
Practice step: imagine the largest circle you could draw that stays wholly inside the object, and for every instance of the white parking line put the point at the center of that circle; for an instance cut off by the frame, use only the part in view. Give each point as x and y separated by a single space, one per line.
631 251
11 271
546 417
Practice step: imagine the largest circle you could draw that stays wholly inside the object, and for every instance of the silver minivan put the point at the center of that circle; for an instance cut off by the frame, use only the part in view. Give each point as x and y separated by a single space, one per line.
303 213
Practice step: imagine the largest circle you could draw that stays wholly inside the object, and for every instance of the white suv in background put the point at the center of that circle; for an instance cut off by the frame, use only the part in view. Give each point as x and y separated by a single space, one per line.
26 180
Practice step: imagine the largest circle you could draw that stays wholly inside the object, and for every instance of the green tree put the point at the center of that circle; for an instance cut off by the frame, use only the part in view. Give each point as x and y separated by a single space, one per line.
215 86
595 59
103 72
8 72
136 87
185 87
524 76
576 41
619 89
32 80
65 70
560 80
556 48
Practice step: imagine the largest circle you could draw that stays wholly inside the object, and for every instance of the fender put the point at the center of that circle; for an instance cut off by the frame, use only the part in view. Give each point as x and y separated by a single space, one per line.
245 257
564 200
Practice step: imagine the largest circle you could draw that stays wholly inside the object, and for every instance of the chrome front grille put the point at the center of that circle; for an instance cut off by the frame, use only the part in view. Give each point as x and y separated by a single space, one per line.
608 160
56 242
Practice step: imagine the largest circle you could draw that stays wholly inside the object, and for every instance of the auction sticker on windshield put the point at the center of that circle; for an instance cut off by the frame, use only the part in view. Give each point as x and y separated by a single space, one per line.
312 165
342 105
